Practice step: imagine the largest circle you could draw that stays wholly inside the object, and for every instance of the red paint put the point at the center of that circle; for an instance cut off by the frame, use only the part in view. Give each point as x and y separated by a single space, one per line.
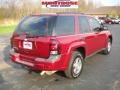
65 45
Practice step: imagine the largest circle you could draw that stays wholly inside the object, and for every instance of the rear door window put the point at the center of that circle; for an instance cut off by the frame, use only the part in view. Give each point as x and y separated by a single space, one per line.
64 26
83 24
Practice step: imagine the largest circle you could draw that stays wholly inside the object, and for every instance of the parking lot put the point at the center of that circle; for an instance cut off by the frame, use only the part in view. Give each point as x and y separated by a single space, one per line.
100 72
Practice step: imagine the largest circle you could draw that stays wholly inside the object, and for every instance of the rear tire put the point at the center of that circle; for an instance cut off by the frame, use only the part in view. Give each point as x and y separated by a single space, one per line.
107 50
75 66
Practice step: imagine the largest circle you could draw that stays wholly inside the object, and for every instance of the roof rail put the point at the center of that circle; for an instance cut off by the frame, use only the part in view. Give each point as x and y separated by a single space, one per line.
69 13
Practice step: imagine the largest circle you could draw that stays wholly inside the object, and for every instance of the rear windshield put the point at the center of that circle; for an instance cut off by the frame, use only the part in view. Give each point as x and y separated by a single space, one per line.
46 25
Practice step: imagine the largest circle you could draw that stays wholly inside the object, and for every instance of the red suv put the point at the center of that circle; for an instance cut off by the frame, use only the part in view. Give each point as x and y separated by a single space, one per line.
58 42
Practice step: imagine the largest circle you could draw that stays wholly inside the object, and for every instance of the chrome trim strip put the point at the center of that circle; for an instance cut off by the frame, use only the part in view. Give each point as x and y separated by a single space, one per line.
24 62
51 59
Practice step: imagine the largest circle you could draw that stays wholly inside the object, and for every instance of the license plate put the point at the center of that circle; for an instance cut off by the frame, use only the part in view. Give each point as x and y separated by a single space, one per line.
27 45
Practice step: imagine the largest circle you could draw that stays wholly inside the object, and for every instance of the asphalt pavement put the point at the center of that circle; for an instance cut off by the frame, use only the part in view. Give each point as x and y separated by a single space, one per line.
101 72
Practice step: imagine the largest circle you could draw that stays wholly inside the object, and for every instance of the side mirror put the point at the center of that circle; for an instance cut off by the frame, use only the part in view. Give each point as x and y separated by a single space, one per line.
105 28
102 27
98 29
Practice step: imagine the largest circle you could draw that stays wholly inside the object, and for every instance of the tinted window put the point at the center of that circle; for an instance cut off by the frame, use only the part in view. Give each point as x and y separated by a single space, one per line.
94 23
36 25
46 25
83 24
64 26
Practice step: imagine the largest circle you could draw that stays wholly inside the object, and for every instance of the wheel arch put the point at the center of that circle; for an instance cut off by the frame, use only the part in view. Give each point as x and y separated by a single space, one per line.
75 47
82 50
111 38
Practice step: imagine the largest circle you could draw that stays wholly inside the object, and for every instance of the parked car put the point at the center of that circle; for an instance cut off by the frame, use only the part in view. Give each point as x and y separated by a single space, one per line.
116 20
58 42
101 20
109 21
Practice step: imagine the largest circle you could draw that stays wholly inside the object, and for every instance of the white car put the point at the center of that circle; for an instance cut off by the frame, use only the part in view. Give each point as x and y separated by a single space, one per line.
116 21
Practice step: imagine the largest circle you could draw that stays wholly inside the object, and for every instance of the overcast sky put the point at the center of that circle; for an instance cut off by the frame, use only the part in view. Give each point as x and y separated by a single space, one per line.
110 2
106 2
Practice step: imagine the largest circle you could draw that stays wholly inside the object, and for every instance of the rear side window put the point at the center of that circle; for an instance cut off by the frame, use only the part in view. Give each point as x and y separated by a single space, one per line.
83 24
64 26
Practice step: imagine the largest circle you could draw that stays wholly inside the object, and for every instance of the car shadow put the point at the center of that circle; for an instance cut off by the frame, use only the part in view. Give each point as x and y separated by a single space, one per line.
61 73
6 58
1 79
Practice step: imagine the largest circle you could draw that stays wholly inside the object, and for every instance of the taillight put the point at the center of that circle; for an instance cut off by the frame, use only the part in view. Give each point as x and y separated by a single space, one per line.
54 47
12 39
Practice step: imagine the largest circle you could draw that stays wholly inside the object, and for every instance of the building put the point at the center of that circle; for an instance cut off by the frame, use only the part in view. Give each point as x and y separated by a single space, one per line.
104 11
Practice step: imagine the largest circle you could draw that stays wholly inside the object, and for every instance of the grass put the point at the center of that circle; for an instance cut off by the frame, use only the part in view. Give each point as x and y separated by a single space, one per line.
7 29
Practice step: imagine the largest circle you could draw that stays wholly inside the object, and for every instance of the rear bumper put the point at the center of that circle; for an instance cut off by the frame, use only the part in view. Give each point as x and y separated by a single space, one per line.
39 63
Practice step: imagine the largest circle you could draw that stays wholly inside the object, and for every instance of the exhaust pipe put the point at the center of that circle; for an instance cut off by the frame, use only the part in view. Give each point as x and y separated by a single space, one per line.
47 72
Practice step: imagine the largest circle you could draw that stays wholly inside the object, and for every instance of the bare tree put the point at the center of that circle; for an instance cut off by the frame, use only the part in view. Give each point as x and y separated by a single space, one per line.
18 8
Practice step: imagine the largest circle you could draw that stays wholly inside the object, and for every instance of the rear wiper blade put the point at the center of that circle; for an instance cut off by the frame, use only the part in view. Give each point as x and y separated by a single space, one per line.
29 35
